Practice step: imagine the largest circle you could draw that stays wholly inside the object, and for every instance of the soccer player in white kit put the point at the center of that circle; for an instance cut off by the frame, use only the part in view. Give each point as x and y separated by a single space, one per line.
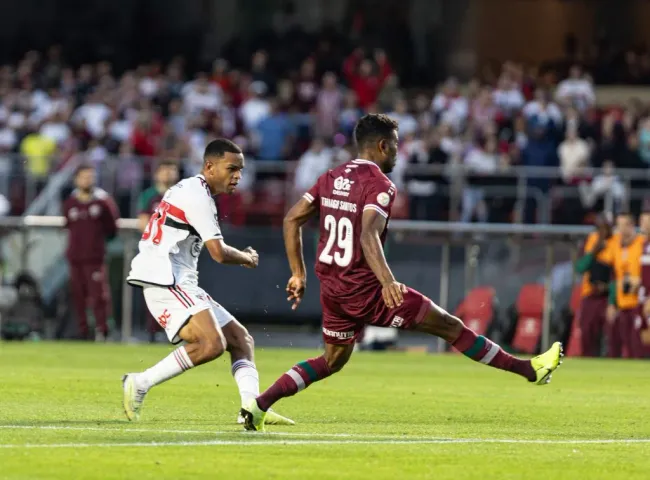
166 269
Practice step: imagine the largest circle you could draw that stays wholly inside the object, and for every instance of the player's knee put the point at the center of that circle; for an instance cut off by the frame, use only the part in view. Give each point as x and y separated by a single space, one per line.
336 362
212 348
241 343
442 324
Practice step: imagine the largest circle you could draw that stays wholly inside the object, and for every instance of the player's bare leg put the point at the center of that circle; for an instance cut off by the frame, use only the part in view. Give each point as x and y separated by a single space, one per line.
241 347
481 349
298 378
205 342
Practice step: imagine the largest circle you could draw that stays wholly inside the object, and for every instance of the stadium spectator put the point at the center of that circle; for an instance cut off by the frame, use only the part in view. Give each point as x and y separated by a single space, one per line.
91 219
607 189
256 108
423 189
449 106
574 156
480 163
328 106
312 164
275 134
577 90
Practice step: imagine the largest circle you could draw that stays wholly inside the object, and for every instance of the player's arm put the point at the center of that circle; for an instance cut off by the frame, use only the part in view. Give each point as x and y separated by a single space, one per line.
295 218
373 224
111 215
203 217
223 253
299 214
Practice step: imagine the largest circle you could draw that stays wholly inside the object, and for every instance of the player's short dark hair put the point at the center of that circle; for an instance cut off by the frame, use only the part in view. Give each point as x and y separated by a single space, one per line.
219 147
373 127
82 168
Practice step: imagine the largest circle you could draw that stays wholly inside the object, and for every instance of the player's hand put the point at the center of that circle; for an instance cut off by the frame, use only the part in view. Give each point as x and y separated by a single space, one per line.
296 289
254 257
393 293
611 313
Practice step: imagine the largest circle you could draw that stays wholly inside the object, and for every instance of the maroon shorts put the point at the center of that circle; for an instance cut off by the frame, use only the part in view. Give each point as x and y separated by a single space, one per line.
344 322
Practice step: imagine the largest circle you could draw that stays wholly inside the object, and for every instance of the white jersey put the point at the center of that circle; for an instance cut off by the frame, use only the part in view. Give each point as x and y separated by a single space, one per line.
170 245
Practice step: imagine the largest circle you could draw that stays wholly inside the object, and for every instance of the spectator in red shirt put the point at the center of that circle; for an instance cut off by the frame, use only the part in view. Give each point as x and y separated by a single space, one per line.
361 78
91 218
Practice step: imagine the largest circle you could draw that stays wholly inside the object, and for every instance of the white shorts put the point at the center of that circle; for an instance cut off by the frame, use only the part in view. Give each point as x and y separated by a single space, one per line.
172 307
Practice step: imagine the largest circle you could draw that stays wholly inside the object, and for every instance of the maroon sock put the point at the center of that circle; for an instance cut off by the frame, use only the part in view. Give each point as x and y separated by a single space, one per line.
484 350
298 378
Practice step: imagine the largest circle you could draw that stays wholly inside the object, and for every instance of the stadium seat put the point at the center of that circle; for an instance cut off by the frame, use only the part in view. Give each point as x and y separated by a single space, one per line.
529 309
478 310
574 346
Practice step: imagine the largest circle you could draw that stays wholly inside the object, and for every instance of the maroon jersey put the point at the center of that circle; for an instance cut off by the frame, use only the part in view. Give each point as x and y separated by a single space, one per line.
342 195
644 289
89 225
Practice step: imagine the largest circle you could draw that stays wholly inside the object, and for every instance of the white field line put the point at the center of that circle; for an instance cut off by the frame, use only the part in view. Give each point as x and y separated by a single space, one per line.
267 438
277 442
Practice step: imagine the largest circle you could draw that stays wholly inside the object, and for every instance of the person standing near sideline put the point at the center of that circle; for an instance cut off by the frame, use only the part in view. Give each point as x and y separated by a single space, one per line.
91 219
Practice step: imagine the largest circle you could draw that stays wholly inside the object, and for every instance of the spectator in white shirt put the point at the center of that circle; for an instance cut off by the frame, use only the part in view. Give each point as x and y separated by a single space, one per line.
256 108
480 164
56 129
542 109
449 106
312 164
606 186
577 90
407 123
94 114
508 96
202 95
574 155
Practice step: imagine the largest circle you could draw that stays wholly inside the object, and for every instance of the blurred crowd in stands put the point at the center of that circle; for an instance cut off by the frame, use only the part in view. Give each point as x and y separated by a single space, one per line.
456 142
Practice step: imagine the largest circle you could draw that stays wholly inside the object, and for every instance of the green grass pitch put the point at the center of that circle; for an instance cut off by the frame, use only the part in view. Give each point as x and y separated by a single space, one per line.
390 415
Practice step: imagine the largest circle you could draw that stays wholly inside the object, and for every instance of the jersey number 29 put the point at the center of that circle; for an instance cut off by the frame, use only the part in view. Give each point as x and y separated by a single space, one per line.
154 227
341 233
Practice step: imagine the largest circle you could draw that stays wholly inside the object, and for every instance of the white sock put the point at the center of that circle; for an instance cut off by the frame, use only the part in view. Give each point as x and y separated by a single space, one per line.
169 367
247 378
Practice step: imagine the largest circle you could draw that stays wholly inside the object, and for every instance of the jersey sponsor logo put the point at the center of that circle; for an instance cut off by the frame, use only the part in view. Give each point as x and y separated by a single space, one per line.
342 186
342 335
397 322
338 205
383 199
164 318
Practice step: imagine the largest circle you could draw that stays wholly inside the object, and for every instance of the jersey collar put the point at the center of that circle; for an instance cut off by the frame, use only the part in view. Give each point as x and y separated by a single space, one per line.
365 162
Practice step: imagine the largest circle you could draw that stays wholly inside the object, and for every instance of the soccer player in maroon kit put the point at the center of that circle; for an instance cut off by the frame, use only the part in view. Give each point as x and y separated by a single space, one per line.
91 218
357 286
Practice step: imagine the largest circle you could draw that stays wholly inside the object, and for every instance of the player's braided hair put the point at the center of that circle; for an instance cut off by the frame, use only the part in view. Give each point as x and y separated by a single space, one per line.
219 147
373 128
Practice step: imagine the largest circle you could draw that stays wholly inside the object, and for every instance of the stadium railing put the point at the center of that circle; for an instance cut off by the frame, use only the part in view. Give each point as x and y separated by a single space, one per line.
520 183
448 235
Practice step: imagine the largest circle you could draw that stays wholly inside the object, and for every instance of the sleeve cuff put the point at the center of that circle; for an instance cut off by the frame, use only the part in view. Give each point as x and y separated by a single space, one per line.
372 206
308 196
